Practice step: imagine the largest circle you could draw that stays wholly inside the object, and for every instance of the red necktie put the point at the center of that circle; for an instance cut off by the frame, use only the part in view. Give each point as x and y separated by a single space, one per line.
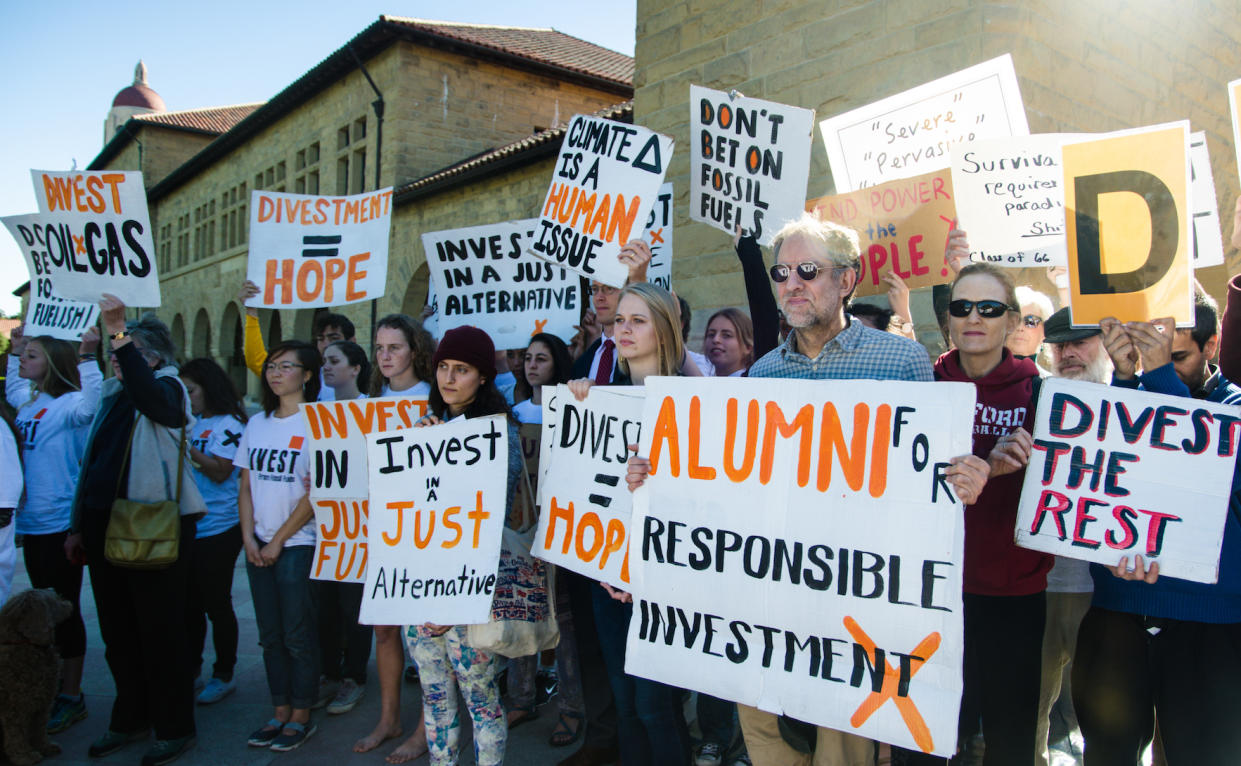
603 375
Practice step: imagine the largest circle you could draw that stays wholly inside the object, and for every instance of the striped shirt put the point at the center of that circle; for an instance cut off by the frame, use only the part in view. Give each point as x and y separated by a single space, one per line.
857 351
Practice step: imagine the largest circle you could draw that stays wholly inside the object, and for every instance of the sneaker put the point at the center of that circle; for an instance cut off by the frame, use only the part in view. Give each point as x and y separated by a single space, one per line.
287 742
66 711
167 750
742 759
216 690
709 754
263 736
347 697
411 674
112 741
327 693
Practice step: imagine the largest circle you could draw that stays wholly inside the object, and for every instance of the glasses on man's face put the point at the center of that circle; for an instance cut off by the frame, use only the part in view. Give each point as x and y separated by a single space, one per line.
603 290
986 309
1031 320
284 368
805 271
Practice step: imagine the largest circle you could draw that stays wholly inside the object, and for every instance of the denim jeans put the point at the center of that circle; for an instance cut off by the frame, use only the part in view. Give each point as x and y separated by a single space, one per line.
285 610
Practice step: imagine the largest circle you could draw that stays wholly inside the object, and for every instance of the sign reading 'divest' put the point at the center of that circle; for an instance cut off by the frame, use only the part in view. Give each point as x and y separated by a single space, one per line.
1118 472
308 251
438 500
750 162
607 177
1127 214
96 234
658 234
584 526
483 278
912 132
48 313
798 549
1208 242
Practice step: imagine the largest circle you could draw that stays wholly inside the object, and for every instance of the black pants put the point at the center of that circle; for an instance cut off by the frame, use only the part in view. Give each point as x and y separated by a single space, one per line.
211 596
1130 668
344 645
1002 673
48 567
596 690
142 620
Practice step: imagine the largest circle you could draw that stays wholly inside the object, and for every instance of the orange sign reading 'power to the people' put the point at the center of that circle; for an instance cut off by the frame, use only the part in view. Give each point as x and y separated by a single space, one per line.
308 251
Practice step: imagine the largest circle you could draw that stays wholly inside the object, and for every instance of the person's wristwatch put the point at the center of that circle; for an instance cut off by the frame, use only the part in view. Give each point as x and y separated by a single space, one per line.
122 335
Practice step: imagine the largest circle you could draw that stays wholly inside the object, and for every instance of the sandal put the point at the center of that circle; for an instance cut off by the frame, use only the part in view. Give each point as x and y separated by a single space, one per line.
528 714
564 735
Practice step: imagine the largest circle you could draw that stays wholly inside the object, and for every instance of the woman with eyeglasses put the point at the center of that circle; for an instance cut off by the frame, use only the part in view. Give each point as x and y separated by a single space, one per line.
1027 340
1003 584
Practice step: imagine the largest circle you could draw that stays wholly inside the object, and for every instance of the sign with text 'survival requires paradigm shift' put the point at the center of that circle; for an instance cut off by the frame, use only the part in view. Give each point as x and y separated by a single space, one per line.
797 548
47 313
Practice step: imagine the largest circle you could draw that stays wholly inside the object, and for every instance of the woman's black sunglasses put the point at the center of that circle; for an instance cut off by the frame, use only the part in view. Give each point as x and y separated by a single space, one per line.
986 309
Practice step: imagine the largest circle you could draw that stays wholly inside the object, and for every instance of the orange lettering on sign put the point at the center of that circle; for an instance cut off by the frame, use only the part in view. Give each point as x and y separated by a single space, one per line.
891 685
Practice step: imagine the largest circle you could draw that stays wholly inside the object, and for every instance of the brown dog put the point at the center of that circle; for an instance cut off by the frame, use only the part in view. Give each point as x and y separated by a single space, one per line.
29 672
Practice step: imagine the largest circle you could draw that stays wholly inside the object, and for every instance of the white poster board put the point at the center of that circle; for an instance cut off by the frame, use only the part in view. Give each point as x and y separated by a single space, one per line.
791 529
749 164
911 133
439 496
1208 241
308 251
96 233
1120 472
47 312
658 234
482 277
607 177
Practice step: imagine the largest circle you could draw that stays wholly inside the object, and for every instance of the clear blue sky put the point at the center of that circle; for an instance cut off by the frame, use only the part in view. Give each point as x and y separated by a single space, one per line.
63 62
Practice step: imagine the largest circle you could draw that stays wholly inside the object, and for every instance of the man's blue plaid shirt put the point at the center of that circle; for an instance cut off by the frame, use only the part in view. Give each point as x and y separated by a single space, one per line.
856 352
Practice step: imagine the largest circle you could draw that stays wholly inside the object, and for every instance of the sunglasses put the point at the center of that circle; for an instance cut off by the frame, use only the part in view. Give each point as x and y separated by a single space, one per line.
986 309
805 271
1031 320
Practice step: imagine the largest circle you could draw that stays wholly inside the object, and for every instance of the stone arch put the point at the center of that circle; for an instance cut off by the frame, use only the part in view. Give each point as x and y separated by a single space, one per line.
416 291
274 332
231 350
178 336
201 342
304 322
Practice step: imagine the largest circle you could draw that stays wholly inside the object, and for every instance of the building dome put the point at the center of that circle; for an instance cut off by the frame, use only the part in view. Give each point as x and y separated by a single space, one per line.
135 99
141 96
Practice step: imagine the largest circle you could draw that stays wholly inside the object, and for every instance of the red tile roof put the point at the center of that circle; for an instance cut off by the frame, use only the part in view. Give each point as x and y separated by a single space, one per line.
212 119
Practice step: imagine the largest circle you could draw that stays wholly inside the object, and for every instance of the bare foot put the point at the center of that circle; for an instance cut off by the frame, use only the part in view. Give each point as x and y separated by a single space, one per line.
411 749
382 733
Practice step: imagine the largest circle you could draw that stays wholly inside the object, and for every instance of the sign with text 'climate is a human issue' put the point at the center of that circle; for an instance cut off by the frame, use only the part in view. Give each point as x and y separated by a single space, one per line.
308 251
96 233
483 278
47 313
750 162
339 485
797 548
607 177
1119 472
912 132
584 526
902 226
438 500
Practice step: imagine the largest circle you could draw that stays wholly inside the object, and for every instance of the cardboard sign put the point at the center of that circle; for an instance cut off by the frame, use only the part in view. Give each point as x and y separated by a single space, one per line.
481 279
438 500
658 234
308 251
912 132
902 226
1120 472
606 179
339 486
48 313
96 234
1126 198
585 523
799 550
750 162
1234 109
1208 241
531 437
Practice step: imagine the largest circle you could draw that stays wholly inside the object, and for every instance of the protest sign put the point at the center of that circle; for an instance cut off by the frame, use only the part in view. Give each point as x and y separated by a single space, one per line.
607 177
530 435
584 526
1234 108
750 162
1208 242
912 132
1121 472
339 486
95 232
1128 223
799 550
481 278
47 312
902 226
438 500
308 251
658 234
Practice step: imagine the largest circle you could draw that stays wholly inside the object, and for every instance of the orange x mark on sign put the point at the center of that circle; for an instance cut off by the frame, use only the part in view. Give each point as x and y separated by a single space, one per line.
657 235
891 681
539 324
79 243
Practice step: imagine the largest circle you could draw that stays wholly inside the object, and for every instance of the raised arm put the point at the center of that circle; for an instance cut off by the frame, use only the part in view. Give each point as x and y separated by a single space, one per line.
763 310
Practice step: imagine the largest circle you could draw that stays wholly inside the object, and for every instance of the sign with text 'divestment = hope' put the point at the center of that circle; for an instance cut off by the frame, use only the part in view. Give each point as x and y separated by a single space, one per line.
798 548
47 312
96 233
584 525
308 251
606 179
483 277
438 497
1119 472
750 162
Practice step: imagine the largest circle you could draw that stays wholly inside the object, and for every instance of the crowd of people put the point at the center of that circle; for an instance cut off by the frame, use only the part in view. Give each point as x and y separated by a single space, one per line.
1144 650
